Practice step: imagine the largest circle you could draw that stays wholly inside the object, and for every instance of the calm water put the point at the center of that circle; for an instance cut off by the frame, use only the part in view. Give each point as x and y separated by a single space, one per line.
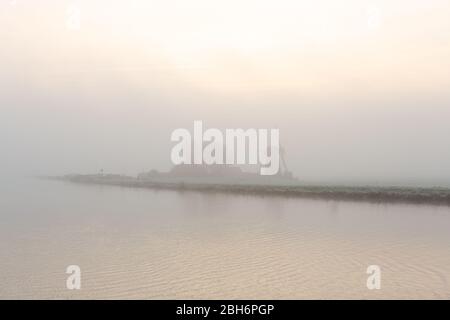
145 244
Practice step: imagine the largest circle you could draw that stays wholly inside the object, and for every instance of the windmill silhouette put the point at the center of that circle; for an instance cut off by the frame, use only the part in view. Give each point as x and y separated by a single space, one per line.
282 153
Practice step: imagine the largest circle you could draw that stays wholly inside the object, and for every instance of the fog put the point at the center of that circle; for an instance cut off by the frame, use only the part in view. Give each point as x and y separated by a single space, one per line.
352 106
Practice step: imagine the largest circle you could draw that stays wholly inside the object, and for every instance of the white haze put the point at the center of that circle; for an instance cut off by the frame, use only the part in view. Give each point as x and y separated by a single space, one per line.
375 109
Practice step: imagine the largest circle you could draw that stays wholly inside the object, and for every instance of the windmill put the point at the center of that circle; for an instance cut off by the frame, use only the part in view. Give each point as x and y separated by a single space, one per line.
284 168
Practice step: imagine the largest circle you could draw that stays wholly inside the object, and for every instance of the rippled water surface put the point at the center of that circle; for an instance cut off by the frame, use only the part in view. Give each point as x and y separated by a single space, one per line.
133 243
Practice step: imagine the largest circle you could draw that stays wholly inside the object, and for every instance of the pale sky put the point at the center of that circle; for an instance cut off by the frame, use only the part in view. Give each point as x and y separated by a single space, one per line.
359 89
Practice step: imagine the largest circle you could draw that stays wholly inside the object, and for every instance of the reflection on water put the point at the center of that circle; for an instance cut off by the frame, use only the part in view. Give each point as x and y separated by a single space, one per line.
148 244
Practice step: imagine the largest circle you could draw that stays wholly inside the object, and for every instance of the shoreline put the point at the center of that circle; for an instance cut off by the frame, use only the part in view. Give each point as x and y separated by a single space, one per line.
432 196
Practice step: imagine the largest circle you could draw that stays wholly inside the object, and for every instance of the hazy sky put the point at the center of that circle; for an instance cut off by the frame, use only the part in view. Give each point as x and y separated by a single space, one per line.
360 90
